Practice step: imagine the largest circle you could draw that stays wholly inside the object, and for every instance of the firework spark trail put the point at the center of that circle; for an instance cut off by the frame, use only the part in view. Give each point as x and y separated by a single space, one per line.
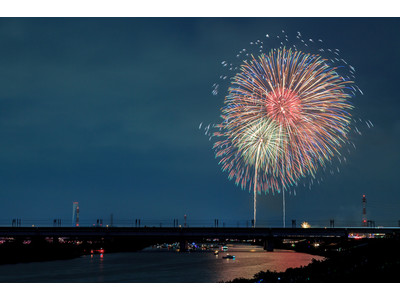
286 114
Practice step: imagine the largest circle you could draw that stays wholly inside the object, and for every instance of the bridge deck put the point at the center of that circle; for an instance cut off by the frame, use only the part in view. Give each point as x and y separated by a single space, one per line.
193 232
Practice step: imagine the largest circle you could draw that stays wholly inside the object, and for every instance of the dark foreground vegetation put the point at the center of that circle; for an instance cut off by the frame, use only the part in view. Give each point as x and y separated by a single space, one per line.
363 261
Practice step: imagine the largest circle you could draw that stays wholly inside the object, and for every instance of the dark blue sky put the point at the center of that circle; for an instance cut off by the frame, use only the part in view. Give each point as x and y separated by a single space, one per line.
106 112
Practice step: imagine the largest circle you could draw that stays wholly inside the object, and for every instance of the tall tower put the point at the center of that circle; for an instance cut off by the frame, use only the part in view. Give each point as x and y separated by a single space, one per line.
75 214
364 212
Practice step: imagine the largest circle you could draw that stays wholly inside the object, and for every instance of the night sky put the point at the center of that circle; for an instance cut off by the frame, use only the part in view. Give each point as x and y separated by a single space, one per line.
106 112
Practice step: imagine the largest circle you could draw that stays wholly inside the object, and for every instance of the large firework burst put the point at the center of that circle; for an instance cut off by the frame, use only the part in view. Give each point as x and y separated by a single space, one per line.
286 114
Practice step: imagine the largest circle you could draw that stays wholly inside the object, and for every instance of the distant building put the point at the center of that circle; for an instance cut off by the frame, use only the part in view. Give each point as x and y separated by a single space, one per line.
75 214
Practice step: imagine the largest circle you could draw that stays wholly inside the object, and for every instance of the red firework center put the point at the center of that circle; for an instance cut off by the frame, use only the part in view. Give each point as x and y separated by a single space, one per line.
283 105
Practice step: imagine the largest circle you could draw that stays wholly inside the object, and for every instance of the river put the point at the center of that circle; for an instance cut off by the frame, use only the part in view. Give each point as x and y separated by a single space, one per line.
153 265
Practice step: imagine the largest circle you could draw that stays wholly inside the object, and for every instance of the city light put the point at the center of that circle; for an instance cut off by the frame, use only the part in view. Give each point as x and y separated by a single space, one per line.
305 225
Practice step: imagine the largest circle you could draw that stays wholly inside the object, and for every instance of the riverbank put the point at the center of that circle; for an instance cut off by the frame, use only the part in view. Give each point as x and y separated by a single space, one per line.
40 251
365 261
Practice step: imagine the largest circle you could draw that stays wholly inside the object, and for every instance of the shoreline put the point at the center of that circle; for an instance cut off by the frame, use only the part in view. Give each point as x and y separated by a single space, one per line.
365 261
43 252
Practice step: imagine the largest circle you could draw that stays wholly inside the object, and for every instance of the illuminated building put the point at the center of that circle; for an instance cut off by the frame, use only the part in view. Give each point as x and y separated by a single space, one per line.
75 214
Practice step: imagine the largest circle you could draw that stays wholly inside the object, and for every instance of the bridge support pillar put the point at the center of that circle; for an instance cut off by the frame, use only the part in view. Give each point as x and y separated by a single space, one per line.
183 246
37 240
268 244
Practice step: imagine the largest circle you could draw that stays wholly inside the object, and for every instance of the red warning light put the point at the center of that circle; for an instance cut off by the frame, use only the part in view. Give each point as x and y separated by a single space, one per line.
364 196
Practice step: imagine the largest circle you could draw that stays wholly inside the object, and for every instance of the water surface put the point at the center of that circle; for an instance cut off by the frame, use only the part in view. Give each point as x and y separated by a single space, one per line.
157 265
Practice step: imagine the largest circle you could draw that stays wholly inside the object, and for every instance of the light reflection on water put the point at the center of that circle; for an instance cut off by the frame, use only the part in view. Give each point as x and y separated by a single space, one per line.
157 265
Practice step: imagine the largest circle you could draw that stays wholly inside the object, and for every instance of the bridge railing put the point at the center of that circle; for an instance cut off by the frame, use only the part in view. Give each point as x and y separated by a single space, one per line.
180 222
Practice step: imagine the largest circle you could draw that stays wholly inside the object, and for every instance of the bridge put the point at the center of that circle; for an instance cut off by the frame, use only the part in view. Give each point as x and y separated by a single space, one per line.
191 232
154 235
